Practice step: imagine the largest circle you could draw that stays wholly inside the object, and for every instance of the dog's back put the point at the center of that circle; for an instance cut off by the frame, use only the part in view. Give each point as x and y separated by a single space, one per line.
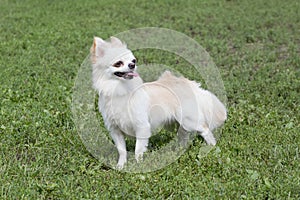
193 102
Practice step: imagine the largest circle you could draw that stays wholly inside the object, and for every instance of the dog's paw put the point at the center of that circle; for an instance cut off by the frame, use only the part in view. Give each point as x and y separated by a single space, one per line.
211 141
139 157
209 138
121 164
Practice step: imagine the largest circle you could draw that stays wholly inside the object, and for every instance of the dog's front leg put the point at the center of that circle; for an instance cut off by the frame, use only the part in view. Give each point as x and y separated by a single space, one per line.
119 140
142 139
140 147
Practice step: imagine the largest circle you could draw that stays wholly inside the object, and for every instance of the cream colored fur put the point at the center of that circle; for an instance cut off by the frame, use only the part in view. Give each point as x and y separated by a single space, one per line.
131 107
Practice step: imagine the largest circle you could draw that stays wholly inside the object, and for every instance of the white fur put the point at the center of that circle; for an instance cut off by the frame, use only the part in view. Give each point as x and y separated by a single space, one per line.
131 107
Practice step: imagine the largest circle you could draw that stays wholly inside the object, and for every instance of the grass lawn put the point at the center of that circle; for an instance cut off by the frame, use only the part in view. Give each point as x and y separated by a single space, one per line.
256 46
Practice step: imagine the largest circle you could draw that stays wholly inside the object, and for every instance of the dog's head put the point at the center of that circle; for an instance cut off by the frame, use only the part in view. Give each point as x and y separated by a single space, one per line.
113 58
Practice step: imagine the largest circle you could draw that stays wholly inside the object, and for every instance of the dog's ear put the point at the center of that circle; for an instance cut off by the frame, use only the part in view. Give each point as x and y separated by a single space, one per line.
97 49
116 42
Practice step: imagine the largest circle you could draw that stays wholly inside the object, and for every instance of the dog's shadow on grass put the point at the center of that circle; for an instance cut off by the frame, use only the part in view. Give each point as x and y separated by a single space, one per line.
159 138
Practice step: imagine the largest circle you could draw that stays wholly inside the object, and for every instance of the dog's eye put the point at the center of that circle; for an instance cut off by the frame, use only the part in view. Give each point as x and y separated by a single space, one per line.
134 61
118 64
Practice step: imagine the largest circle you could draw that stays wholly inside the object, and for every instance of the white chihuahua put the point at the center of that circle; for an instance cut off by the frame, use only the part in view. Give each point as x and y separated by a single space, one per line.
131 107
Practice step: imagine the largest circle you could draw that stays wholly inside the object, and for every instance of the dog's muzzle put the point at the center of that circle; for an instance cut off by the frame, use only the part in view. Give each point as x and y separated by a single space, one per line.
126 75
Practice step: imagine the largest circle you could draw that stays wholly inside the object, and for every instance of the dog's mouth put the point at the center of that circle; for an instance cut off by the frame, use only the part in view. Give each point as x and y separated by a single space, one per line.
126 75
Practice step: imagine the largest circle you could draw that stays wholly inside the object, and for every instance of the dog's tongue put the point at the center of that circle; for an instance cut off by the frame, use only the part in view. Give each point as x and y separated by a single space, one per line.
132 74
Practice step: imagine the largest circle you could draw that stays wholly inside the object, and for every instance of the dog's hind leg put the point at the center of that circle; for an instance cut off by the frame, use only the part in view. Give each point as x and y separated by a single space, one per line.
183 136
207 135
202 129
119 140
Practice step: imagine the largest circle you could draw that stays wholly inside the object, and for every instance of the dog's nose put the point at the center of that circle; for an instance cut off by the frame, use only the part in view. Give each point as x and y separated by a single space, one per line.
131 65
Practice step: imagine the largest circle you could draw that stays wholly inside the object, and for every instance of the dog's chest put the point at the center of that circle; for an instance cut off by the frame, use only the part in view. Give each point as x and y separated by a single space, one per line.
115 112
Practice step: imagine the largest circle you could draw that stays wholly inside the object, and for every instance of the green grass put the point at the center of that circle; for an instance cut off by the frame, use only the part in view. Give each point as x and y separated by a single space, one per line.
255 44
